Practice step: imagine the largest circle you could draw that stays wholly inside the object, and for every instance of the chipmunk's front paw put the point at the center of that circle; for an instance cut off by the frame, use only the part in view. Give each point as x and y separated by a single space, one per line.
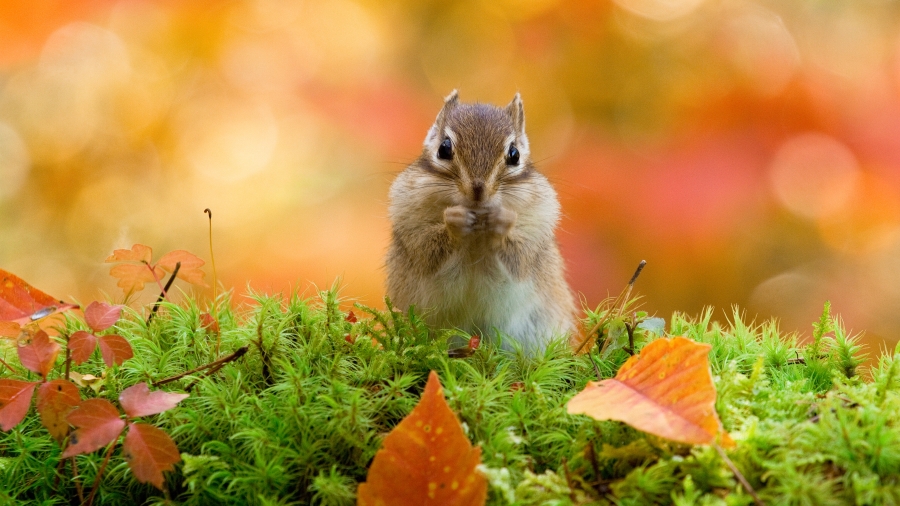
500 220
459 220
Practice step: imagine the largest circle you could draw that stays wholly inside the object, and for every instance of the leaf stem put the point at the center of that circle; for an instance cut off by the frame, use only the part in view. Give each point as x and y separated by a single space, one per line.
90 499
7 366
620 301
76 480
162 295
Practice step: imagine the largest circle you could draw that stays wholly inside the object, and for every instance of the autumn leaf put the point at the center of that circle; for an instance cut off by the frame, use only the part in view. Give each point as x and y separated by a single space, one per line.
137 253
133 277
15 399
190 266
667 390
10 329
100 316
114 349
149 451
426 459
138 400
23 303
40 355
55 400
97 424
87 380
208 322
82 344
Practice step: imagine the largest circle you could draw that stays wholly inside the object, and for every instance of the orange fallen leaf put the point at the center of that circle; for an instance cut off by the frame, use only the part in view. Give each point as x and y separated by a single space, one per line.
426 459
667 390
23 303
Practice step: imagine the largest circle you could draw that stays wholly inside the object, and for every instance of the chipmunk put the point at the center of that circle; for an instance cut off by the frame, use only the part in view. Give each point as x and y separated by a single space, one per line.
473 243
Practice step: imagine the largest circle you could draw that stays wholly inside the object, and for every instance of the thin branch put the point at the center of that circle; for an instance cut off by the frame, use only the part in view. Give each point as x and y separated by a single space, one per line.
596 368
162 295
215 364
738 475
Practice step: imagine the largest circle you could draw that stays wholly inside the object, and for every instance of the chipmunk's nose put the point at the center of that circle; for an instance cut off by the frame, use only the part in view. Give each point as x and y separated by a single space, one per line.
477 191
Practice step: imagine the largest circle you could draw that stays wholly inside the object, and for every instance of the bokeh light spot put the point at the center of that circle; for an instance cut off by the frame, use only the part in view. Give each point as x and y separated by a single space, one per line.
814 175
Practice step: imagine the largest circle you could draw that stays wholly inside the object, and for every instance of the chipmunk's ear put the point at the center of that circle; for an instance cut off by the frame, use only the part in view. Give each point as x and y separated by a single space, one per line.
435 132
516 111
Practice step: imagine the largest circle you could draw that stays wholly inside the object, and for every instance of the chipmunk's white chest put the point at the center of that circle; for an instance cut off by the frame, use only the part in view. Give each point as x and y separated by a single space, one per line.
480 296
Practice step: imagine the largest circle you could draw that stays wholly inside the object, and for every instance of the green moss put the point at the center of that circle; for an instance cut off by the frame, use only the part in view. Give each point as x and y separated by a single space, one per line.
298 419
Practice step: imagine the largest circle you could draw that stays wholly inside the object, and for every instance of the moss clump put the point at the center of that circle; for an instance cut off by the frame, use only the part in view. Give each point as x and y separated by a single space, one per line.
298 419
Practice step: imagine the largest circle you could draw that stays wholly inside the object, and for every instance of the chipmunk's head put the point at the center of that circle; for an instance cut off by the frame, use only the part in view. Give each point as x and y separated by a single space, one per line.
480 149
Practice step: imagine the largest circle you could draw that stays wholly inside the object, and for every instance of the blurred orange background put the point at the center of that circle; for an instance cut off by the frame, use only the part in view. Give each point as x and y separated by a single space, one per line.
748 150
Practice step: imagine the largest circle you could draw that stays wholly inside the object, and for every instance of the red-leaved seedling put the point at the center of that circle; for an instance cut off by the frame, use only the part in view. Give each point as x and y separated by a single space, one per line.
148 450
15 399
113 348
40 354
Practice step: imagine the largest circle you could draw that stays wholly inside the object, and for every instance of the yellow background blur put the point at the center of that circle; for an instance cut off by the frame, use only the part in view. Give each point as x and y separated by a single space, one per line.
749 150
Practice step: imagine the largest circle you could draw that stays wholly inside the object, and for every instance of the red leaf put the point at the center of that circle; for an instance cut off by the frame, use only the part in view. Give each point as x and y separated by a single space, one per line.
137 253
138 400
115 349
97 424
82 345
351 317
55 400
208 322
132 277
40 355
190 266
23 303
101 316
149 451
15 399
426 459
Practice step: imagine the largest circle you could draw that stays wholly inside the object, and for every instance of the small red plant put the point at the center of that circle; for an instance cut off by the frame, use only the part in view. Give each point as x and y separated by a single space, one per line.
149 451
113 348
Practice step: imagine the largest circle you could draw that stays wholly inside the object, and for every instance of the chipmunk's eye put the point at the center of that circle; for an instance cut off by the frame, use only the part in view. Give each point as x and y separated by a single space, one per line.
512 156
445 151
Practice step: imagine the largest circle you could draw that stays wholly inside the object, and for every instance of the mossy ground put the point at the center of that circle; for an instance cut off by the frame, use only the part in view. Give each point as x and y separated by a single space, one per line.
304 428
